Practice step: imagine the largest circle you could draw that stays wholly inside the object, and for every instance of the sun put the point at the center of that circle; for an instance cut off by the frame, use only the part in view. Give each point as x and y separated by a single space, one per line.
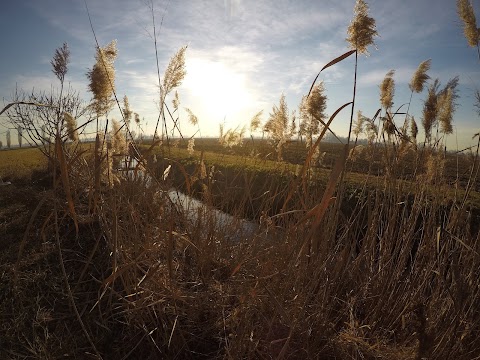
220 91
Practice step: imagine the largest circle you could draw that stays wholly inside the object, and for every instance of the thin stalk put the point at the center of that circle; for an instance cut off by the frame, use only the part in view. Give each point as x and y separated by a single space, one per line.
353 98
347 147
161 115
408 110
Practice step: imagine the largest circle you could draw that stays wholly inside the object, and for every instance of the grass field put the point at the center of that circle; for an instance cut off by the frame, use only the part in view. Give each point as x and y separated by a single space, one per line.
20 164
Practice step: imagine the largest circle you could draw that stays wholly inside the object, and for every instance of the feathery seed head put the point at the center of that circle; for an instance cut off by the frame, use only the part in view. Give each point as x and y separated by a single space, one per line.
445 111
192 117
358 129
372 131
387 90
430 109
60 61
277 123
175 71
119 145
362 29
71 124
127 113
317 102
255 122
466 13
102 78
233 137
420 76
312 113
176 101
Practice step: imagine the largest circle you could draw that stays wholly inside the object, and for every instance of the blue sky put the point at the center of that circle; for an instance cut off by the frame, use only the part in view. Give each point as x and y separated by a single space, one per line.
242 54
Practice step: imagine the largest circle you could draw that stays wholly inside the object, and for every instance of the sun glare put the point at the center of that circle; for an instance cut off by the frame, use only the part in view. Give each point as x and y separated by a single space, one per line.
219 91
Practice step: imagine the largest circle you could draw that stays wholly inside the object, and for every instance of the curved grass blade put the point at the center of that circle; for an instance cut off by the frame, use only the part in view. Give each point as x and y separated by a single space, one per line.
376 115
24 103
333 62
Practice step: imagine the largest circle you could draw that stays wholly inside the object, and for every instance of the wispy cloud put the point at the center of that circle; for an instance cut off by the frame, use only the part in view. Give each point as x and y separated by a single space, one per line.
264 48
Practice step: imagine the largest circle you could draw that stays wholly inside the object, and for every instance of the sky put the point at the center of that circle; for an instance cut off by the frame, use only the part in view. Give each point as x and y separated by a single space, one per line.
242 55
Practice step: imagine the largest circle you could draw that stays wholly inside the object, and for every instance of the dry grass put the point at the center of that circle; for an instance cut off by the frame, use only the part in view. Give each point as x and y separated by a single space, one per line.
110 266
392 276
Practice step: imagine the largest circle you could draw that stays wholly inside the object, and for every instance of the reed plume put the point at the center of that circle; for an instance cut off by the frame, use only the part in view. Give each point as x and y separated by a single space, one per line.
233 137
192 118
60 62
358 126
175 71
312 113
317 103
445 111
466 13
362 29
371 130
102 78
387 90
278 125
255 121
420 76
119 145
430 109
127 112
71 125
176 101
